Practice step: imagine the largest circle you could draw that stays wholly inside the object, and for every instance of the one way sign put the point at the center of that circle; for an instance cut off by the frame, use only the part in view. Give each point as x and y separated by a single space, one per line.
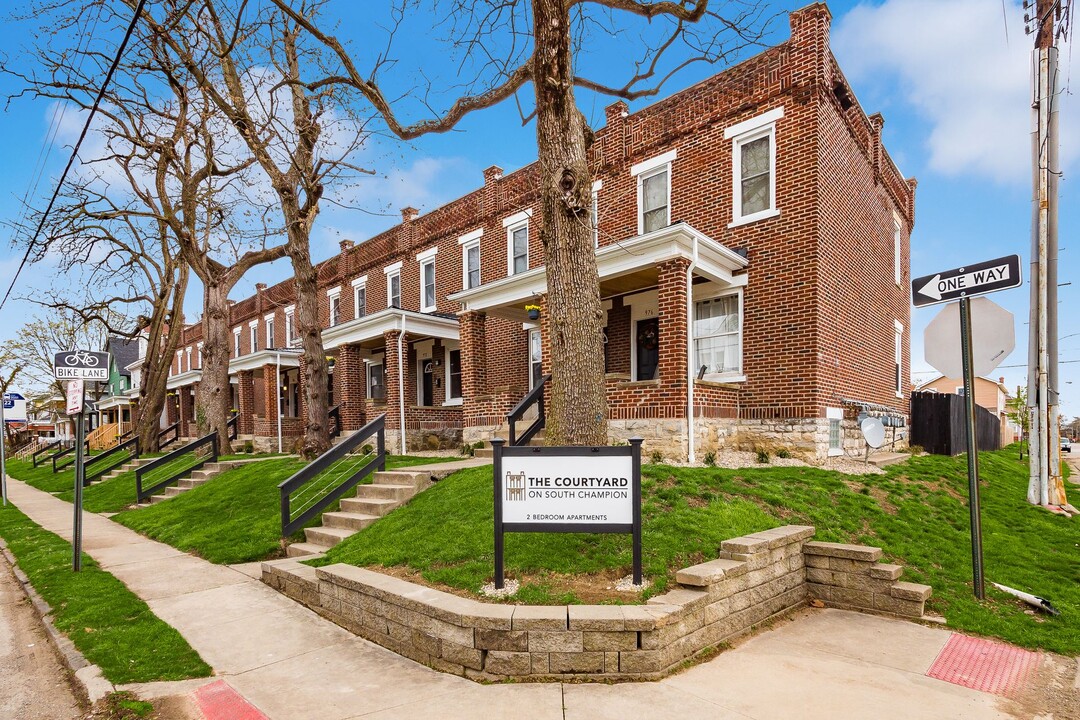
967 281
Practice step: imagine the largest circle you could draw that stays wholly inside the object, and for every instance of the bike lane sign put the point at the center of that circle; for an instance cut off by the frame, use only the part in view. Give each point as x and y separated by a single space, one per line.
81 365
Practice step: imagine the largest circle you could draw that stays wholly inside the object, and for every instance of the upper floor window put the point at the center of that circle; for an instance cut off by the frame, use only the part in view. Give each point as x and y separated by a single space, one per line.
179 362
236 342
754 167
595 212
333 299
187 352
517 242
718 335
359 296
427 279
269 332
898 340
470 259
290 326
898 271
253 335
654 191
198 350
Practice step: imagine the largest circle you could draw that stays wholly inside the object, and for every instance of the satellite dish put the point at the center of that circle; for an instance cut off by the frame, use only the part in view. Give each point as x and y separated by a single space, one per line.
874 432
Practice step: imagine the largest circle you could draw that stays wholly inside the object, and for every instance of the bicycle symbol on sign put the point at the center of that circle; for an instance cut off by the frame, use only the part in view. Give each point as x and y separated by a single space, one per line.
82 358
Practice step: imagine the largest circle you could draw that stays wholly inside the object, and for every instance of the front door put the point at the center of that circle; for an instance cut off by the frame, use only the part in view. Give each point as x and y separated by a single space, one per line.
648 348
427 375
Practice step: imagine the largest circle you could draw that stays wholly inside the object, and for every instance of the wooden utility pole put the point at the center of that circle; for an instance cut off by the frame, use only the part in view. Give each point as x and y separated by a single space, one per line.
1045 486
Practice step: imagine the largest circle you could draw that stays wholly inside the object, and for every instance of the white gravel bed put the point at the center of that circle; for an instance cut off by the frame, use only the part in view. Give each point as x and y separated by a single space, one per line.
734 459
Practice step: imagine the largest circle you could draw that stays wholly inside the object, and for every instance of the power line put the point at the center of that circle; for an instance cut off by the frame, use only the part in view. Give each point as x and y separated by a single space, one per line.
75 150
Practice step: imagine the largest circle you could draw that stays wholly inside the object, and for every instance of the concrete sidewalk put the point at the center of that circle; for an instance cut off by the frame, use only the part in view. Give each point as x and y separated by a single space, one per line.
292 664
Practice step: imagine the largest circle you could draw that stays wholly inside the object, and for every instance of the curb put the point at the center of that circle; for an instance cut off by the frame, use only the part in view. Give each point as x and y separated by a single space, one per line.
88 676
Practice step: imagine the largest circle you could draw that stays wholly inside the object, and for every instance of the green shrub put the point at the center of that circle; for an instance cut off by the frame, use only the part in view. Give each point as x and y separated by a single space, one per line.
763 457
656 457
710 458
783 453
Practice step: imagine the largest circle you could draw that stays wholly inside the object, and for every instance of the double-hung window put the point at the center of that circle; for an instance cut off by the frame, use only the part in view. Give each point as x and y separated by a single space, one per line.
253 335
898 271
517 242
198 351
376 380
236 342
718 336
754 167
427 279
470 259
453 385
898 341
359 296
333 301
187 352
393 285
269 332
595 212
654 192
290 326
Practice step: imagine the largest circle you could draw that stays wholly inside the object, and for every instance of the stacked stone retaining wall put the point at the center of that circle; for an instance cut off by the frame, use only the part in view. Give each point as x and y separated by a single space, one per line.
755 578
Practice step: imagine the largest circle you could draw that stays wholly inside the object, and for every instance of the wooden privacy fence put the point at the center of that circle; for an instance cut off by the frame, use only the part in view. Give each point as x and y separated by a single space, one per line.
937 424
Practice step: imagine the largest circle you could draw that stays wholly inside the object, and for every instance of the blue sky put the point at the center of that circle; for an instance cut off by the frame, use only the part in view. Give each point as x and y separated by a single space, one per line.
951 78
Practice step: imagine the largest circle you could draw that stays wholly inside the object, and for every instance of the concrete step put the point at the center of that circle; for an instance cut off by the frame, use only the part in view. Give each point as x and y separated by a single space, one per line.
173 491
400 477
203 474
348 520
155 499
362 506
327 536
304 550
883 459
484 452
379 491
188 483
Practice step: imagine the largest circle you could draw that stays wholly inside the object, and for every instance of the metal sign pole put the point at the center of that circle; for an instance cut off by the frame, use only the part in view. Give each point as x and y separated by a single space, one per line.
3 466
972 450
635 445
497 447
76 533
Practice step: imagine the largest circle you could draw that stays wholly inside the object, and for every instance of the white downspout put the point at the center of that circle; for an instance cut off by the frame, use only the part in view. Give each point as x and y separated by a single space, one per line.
401 382
277 394
690 374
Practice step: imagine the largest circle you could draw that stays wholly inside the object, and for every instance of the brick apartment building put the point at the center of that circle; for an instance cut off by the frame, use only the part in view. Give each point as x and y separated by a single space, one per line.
752 243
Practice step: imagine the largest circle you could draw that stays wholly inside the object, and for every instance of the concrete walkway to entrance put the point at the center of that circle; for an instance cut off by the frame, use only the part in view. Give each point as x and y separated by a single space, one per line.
292 664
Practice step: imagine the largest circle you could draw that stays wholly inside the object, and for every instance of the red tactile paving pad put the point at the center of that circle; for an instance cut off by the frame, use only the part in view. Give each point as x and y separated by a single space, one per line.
218 701
984 665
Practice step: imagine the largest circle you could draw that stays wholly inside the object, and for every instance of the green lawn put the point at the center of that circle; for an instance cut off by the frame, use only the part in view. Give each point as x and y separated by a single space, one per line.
916 512
110 626
234 518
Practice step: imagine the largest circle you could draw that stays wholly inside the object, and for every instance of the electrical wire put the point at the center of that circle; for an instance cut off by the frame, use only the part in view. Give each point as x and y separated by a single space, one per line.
75 150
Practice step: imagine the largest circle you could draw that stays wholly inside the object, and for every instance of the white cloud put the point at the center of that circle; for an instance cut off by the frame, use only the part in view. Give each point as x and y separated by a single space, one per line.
950 62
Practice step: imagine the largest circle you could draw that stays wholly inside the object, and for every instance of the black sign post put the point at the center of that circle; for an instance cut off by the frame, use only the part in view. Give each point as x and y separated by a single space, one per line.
571 488
80 473
967 281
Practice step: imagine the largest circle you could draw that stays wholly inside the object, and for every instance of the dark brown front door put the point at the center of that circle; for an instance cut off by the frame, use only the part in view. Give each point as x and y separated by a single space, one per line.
648 348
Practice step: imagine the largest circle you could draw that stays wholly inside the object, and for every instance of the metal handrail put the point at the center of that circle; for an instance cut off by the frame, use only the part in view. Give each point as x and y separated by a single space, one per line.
89 475
289 524
42 451
174 429
232 426
140 472
64 453
535 397
124 436
335 416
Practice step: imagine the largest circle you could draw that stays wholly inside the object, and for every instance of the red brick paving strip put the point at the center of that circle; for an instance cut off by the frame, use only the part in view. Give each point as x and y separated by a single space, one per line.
984 665
218 701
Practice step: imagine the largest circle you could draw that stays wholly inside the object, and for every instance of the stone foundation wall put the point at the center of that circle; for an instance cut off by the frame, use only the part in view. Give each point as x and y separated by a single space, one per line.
755 578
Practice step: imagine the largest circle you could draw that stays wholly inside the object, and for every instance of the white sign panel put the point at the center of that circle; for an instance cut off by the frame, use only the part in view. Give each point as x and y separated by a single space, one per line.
14 408
992 338
568 490
74 397
81 365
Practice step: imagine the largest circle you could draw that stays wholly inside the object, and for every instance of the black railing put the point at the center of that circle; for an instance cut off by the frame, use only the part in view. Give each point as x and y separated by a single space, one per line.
166 470
37 455
232 426
334 424
96 466
169 435
125 436
535 397
316 487
66 457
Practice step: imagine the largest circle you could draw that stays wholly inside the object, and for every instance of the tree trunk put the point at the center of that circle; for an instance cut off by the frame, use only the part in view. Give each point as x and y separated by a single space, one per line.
573 318
212 401
316 372
166 323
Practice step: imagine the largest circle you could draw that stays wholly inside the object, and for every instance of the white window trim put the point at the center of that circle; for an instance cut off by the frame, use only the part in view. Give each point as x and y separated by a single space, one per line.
187 353
389 278
369 363
427 254
269 322
290 324
728 377
392 268
465 248
898 339
449 346
755 128
359 284
179 362
898 238
253 334
331 295
236 342
836 414
429 260
597 186
510 230
647 169
198 353
517 218
334 291
471 236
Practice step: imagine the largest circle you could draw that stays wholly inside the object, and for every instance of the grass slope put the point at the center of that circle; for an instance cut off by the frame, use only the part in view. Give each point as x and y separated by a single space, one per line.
917 512
111 626
232 519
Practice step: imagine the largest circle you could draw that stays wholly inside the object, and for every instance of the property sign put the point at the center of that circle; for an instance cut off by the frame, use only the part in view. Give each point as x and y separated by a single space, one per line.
967 281
567 489
81 365
14 408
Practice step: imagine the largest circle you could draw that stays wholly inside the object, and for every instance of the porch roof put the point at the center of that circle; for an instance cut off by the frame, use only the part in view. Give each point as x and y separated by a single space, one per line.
622 267
369 329
290 358
113 401
183 379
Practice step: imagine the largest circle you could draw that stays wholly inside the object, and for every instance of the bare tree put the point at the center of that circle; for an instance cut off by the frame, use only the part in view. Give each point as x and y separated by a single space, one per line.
251 66
10 368
39 340
541 50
